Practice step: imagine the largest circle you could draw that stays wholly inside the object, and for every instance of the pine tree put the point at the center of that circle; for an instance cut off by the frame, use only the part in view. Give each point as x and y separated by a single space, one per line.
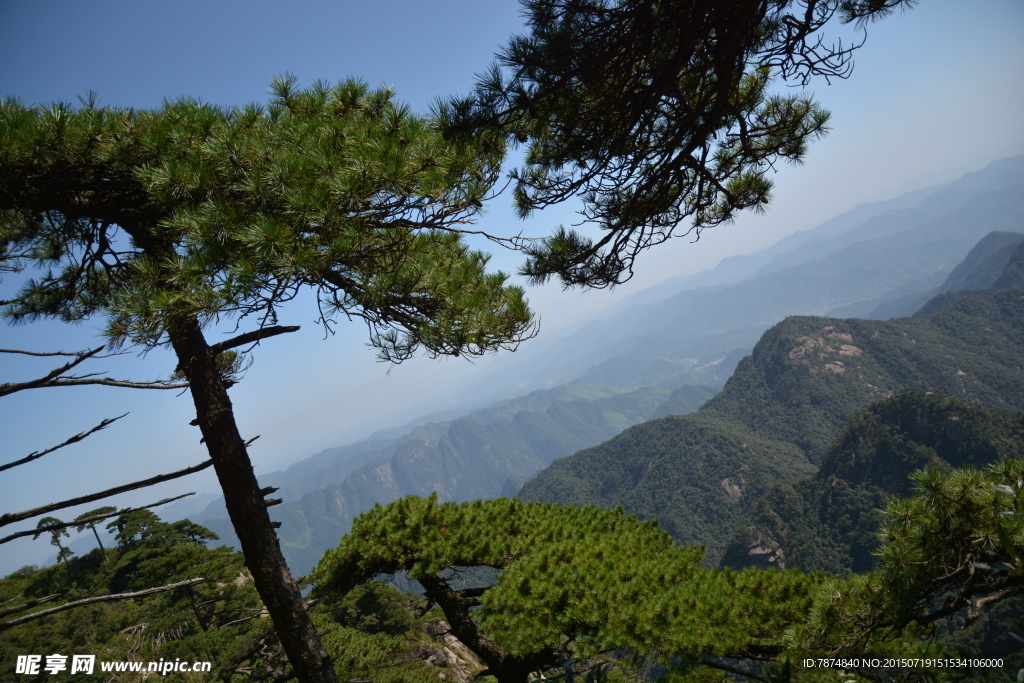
164 222
657 114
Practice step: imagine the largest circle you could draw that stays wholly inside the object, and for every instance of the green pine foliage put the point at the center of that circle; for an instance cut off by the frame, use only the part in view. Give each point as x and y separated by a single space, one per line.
582 583
374 631
194 622
599 578
229 211
675 132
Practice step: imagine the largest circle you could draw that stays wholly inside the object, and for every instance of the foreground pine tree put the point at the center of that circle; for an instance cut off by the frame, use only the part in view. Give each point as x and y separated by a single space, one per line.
164 222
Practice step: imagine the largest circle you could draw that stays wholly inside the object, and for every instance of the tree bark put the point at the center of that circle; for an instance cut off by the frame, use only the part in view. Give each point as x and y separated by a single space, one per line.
503 666
244 500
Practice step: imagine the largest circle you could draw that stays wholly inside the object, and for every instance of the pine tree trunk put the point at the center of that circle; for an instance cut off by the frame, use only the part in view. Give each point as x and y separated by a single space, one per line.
97 535
246 508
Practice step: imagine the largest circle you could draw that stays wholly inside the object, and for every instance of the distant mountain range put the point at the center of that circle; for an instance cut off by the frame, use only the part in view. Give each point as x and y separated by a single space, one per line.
908 245
701 474
487 454
667 350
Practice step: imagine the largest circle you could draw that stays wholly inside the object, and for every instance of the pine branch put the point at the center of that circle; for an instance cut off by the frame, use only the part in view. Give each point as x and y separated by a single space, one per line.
87 520
28 605
254 336
55 377
74 439
11 387
103 598
10 518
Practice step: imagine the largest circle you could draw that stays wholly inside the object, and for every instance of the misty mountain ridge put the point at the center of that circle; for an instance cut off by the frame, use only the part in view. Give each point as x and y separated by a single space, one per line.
1009 255
892 247
694 337
978 271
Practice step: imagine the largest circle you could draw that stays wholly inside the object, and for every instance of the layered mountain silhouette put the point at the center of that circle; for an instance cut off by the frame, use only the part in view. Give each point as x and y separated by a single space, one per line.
486 454
665 351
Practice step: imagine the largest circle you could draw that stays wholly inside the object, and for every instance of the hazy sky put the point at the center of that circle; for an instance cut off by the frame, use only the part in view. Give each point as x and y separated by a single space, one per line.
935 92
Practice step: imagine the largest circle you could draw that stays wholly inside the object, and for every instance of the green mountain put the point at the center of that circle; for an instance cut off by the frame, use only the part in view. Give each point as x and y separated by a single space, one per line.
702 474
979 270
985 278
486 454
829 522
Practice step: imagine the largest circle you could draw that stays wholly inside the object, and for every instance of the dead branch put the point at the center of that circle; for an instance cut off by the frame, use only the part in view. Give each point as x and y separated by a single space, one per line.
11 387
28 605
254 336
87 520
74 439
56 378
54 353
102 598
10 518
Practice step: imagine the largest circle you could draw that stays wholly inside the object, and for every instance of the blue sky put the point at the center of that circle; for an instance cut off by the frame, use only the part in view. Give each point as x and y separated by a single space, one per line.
935 92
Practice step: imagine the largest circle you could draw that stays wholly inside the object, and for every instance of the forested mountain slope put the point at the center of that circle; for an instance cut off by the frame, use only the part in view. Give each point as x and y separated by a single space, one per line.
484 455
982 280
701 474
829 522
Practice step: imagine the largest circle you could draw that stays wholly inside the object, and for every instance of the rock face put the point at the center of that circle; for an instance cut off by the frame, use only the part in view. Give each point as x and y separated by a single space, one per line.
455 661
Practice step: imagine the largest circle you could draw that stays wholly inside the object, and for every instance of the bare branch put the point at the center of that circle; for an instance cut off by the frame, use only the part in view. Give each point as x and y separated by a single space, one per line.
10 518
102 598
77 437
52 353
10 388
254 336
103 381
87 520
56 378
28 605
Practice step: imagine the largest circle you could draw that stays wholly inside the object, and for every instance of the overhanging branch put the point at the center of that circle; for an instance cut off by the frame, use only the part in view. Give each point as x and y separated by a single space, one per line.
87 520
10 518
102 598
